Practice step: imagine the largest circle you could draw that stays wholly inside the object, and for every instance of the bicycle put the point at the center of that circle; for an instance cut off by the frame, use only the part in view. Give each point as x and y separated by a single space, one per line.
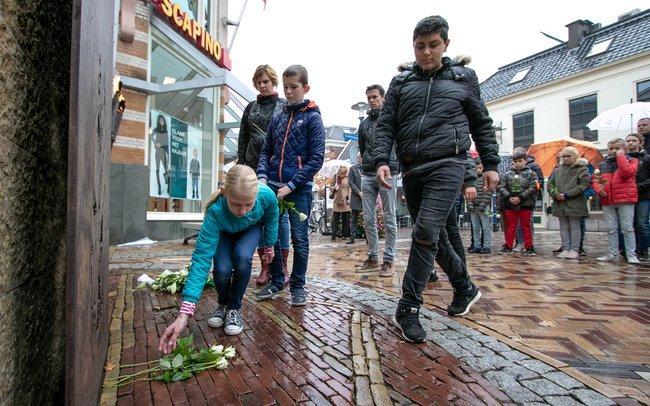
319 219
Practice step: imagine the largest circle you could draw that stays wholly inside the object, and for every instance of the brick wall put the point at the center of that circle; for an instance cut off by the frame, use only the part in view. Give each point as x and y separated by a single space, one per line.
132 61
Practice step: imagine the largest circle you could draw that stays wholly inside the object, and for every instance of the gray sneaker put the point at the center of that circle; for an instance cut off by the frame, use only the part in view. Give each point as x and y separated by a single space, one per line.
298 297
267 292
234 323
218 317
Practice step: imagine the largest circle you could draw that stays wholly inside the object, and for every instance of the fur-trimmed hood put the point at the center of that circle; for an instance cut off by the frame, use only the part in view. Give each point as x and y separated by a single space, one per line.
459 60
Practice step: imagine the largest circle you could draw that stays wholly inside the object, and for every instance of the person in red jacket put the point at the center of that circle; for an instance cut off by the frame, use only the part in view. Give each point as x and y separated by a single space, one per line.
615 183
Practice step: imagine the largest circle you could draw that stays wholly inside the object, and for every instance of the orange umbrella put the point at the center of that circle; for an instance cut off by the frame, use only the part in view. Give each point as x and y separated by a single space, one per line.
546 153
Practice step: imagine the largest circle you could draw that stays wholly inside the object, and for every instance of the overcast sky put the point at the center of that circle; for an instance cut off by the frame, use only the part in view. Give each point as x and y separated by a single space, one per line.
347 45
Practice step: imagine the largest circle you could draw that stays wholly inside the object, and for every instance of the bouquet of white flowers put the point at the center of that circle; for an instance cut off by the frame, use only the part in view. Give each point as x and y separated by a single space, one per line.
180 364
173 281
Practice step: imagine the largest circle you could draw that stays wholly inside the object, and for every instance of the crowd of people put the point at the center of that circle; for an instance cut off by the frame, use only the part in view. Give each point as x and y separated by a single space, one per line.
421 127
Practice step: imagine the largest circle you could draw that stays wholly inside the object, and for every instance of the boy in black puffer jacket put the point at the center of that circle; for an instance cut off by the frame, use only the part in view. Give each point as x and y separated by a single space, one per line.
429 113
517 191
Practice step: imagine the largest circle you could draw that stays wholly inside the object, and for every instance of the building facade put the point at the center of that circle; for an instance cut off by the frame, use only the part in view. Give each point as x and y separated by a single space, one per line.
555 93
181 101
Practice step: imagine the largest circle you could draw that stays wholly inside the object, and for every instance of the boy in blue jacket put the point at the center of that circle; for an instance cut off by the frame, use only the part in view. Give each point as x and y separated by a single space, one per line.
293 153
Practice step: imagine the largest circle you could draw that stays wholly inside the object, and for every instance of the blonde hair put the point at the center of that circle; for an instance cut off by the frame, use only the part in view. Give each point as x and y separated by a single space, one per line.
265 70
240 179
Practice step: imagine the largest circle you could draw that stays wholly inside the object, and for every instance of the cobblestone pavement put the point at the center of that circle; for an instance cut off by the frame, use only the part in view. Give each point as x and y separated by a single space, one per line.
342 349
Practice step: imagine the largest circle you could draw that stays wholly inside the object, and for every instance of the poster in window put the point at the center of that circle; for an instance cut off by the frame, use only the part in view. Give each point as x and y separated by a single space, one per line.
159 176
194 144
178 159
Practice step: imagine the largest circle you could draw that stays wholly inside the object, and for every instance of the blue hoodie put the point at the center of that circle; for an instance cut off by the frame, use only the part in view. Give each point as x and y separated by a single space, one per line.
295 146
218 218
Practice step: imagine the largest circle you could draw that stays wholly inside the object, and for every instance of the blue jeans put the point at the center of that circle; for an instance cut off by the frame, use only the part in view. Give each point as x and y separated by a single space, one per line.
232 264
195 186
430 197
301 198
643 226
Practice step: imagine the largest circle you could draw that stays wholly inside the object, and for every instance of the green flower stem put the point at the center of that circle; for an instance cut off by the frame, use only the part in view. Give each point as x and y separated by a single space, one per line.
137 365
123 378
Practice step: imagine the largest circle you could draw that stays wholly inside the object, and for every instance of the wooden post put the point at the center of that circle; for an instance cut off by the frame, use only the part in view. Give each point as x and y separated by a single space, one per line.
91 71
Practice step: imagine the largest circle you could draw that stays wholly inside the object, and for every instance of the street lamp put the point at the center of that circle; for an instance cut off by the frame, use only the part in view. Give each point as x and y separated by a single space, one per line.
361 107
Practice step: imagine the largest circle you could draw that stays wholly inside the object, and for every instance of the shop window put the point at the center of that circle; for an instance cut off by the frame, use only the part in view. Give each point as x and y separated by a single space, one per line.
181 147
523 129
643 91
581 112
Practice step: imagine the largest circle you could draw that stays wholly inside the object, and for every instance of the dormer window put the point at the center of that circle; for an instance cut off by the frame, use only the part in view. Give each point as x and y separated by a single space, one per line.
520 75
600 47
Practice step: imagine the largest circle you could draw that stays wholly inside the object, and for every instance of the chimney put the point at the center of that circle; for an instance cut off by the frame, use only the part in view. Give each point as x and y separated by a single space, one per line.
577 31
629 14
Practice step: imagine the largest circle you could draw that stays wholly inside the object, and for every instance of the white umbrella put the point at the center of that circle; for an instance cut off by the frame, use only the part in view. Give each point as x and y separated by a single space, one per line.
332 166
622 118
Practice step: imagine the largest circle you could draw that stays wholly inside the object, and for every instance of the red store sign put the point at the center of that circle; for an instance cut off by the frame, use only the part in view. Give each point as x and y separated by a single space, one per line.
193 32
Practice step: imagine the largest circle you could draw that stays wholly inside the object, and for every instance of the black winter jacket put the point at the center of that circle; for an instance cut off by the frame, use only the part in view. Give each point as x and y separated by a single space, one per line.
366 133
430 117
642 174
254 124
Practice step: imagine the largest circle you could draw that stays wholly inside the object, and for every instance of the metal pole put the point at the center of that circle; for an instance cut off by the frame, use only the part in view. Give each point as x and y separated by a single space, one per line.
241 15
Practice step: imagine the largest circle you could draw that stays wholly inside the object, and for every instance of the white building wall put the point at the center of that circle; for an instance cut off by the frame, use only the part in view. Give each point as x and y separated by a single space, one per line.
614 85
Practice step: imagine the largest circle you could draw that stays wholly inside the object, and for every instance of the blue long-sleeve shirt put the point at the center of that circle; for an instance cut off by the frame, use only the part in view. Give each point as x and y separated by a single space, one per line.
217 219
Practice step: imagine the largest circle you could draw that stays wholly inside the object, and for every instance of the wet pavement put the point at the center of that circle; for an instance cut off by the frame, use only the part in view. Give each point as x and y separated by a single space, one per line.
547 331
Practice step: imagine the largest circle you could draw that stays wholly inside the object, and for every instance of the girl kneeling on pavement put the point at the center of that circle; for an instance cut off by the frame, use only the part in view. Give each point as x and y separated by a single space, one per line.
234 219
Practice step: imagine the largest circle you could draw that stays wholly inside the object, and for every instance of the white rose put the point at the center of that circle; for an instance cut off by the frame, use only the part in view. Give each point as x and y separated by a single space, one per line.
229 352
222 363
302 216
217 349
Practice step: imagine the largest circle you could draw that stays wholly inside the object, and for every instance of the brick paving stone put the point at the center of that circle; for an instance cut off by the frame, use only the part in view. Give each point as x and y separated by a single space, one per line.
544 387
563 380
535 366
561 401
341 347
591 398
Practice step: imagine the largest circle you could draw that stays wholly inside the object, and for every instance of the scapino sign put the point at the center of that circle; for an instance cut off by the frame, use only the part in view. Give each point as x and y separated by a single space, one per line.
194 32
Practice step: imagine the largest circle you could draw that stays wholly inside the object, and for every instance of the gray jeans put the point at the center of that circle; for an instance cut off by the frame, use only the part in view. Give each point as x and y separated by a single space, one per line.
370 189
430 197
570 233
481 224
623 215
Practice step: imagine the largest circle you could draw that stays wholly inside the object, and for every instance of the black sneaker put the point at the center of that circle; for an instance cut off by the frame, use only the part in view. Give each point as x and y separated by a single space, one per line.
582 252
463 301
234 323
557 251
408 322
474 250
434 276
267 292
505 250
218 317
298 297
486 251
530 251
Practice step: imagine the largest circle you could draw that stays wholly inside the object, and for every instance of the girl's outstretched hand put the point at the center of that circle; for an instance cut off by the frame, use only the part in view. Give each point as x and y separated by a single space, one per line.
169 337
